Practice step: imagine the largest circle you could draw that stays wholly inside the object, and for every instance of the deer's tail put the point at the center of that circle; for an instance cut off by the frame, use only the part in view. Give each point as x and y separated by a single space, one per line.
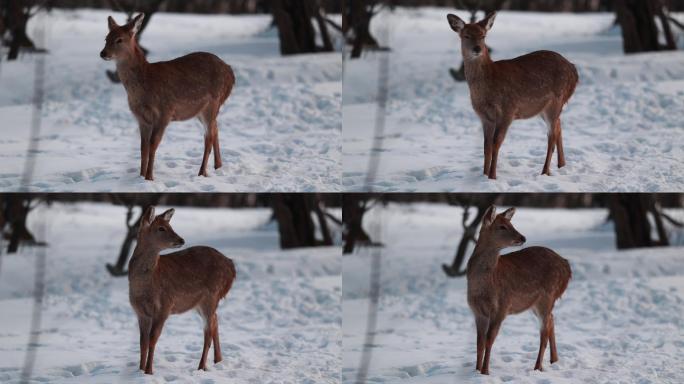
231 277
574 80
230 83
566 275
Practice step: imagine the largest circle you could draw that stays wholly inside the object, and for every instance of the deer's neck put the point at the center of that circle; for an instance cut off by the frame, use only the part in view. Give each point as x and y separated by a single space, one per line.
144 260
132 68
477 70
484 258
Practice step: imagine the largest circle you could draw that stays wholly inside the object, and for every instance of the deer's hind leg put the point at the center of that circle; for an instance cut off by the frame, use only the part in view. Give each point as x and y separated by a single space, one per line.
559 144
552 118
208 118
215 337
217 151
552 340
208 313
543 311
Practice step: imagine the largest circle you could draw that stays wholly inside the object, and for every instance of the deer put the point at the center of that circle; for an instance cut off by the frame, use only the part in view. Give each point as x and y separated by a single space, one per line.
500 285
536 84
159 286
194 85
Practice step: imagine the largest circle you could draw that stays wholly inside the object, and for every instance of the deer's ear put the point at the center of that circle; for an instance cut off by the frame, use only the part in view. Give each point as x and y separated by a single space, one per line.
455 22
488 21
111 23
137 23
168 214
489 216
508 214
148 216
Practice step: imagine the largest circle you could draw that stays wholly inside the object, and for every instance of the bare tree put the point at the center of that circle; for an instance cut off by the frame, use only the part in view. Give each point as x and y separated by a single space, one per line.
294 213
630 214
480 202
130 8
354 207
297 34
637 19
14 17
356 24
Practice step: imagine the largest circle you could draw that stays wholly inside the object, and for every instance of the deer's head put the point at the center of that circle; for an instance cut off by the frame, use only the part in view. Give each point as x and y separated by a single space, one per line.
498 231
120 40
472 35
156 232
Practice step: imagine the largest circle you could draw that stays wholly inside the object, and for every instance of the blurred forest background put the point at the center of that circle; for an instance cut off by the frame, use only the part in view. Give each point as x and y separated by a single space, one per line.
641 21
638 219
300 23
303 219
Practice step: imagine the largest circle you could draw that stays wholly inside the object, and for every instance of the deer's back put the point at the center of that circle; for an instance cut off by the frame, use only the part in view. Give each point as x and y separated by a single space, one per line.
194 275
525 85
526 275
185 85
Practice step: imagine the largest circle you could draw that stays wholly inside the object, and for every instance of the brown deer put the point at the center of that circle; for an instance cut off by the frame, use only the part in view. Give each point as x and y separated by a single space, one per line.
194 278
194 85
537 84
532 278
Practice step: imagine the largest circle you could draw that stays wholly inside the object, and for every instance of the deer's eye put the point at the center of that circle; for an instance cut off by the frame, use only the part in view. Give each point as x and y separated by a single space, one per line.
502 227
119 40
162 229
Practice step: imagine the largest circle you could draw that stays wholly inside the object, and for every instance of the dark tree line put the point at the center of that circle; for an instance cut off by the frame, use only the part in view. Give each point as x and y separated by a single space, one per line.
303 219
638 219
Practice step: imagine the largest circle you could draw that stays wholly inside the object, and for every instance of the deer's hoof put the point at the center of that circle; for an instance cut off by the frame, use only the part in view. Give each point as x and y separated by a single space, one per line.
485 371
149 372
149 178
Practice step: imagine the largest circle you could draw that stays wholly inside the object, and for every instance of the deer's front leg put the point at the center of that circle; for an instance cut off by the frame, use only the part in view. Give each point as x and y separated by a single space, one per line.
499 135
488 130
481 324
145 324
155 139
492 331
157 325
144 154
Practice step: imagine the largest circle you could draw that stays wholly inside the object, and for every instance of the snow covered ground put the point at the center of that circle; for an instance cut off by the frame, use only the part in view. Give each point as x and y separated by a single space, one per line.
280 323
280 130
623 129
621 319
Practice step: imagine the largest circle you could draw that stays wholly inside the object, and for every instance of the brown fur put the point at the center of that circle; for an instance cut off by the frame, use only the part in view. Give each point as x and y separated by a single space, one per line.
194 85
194 278
537 84
532 278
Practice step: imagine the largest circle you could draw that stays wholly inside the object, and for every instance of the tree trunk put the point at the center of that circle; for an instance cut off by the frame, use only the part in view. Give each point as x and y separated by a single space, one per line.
16 211
16 20
639 29
629 213
353 209
293 18
293 212
359 15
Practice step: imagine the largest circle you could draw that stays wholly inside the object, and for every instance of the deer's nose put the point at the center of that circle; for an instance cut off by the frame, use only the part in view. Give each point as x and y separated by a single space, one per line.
181 241
102 54
523 239
477 49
